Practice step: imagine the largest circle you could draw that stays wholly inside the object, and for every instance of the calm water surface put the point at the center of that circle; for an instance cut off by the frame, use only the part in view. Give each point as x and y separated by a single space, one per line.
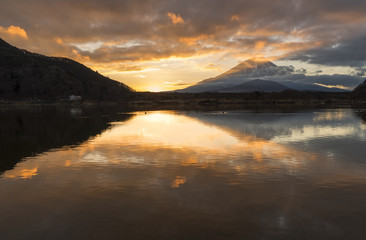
75 173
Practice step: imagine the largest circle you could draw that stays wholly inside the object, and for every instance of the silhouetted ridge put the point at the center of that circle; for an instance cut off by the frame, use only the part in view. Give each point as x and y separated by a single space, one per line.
360 91
25 75
4 44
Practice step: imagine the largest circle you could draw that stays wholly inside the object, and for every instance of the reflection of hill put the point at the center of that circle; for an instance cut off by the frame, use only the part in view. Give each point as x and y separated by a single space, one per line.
27 132
362 115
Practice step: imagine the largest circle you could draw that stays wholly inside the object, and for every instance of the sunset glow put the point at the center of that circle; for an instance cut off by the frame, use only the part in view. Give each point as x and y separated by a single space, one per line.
188 42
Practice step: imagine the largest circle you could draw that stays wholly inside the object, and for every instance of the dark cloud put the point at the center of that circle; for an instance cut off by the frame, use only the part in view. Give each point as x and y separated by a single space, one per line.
348 52
310 28
360 71
336 79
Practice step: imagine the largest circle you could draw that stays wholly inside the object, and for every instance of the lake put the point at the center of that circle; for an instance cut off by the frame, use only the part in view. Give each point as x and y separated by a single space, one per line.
106 173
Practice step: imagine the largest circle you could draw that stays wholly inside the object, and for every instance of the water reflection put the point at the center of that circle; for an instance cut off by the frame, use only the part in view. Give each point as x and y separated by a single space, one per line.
195 175
25 132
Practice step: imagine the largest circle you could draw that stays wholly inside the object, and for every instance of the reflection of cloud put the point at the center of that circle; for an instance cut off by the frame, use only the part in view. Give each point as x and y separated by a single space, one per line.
163 134
95 157
178 182
22 173
156 141
329 116
308 133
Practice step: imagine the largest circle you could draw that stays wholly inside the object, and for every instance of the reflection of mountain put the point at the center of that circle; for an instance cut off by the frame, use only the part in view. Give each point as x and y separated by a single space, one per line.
27 132
258 124
318 131
362 115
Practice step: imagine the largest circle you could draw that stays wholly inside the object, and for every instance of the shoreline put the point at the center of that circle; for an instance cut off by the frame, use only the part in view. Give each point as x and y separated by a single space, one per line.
197 104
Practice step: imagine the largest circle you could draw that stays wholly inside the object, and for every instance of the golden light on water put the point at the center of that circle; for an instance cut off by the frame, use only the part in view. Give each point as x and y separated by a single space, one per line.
149 138
152 138
22 173
181 161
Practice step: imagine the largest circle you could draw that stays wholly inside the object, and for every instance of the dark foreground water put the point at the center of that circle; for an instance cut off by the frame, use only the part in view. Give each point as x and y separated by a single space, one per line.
74 173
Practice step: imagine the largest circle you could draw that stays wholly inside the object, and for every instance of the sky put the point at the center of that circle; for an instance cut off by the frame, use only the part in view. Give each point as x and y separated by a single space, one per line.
155 45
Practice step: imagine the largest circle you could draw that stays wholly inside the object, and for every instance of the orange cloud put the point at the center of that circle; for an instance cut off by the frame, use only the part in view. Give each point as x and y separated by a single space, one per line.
259 45
78 57
333 86
59 41
14 31
213 66
234 18
193 40
175 18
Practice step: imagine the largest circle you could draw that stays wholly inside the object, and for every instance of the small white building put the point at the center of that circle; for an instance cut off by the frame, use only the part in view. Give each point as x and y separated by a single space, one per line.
74 98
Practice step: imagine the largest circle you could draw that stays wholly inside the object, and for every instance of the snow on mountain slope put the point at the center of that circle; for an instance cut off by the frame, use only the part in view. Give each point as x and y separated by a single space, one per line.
265 70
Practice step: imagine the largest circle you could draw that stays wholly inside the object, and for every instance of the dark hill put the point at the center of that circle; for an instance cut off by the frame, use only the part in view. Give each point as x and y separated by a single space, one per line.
25 75
360 91
257 85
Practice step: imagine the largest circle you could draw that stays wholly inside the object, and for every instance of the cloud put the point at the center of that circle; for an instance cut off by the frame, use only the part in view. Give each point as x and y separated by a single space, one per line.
178 83
360 71
321 32
176 19
234 18
331 81
334 86
342 52
259 45
301 71
14 31
213 66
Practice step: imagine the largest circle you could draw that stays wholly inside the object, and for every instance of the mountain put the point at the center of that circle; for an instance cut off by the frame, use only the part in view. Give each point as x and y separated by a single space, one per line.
25 75
253 69
257 85
248 70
